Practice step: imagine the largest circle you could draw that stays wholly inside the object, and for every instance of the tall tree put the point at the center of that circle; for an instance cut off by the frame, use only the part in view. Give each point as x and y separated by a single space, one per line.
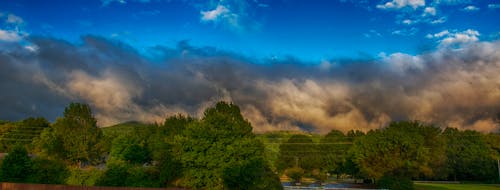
401 149
334 147
220 151
469 157
299 151
75 137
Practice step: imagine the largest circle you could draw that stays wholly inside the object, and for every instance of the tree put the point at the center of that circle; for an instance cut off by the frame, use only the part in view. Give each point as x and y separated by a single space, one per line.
115 175
334 147
403 149
295 173
469 157
75 137
220 151
131 147
299 151
16 166
47 171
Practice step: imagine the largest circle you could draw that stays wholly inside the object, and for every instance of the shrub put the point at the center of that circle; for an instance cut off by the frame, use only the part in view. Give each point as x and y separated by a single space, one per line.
395 183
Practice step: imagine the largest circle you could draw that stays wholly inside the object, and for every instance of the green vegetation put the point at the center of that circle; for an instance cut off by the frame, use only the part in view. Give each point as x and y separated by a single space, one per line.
437 186
22 132
220 151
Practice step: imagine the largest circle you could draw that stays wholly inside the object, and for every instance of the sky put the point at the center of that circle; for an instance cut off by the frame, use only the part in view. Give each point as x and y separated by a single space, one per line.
289 64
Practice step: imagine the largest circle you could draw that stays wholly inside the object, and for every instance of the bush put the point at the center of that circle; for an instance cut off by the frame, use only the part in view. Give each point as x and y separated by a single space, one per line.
395 183
122 174
295 173
16 166
47 171
115 175
85 177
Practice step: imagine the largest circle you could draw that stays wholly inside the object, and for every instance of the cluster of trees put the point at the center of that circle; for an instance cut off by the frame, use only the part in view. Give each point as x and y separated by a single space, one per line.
394 155
218 151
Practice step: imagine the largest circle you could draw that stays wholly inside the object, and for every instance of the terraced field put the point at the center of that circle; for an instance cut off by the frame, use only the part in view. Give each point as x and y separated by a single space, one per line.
22 132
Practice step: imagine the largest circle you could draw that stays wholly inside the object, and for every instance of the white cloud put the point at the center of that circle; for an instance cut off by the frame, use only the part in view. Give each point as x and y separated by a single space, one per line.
429 11
10 36
470 8
493 6
399 4
13 19
451 2
447 38
438 21
107 2
405 32
408 21
372 33
215 14
438 35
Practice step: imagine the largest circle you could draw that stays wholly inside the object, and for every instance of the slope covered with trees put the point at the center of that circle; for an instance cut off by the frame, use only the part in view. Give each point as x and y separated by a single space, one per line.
220 151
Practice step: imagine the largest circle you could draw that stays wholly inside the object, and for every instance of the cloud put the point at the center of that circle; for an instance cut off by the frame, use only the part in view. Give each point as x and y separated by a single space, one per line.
449 87
231 14
451 2
399 4
10 36
493 6
429 11
455 38
438 21
470 8
405 32
372 33
213 15
13 19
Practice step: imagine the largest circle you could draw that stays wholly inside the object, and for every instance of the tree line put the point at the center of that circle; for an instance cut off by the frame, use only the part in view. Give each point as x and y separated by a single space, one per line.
220 151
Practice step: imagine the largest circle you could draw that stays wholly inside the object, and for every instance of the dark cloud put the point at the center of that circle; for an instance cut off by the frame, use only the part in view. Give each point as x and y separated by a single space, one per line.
450 87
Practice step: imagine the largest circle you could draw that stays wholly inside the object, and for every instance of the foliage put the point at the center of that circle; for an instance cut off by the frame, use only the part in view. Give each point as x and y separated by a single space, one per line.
334 147
47 171
295 173
22 132
75 137
220 149
130 147
115 175
122 174
84 176
395 183
16 166
402 149
299 151
469 157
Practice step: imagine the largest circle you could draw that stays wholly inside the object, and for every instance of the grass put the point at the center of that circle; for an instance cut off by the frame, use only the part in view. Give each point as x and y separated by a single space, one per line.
437 186
121 128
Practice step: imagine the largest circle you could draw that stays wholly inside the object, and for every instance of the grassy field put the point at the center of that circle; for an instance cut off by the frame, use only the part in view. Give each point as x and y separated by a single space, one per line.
434 186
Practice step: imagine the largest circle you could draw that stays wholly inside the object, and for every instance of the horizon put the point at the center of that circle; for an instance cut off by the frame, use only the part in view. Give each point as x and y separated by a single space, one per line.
288 65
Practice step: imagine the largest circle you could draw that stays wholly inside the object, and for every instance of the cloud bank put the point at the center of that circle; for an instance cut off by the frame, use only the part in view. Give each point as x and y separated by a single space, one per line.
458 87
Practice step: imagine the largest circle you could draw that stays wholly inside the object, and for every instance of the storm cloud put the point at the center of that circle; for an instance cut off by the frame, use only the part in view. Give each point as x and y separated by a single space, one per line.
457 87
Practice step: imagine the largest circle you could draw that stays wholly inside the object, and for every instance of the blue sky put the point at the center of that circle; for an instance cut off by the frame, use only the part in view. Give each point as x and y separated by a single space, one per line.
309 30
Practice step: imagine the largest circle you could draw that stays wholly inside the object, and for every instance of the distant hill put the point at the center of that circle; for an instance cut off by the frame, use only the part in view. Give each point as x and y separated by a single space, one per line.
120 128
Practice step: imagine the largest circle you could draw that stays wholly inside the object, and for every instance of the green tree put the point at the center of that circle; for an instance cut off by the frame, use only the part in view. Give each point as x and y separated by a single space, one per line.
221 149
130 147
469 157
295 173
299 151
403 149
75 137
334 147
16 166
115 175
47 171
